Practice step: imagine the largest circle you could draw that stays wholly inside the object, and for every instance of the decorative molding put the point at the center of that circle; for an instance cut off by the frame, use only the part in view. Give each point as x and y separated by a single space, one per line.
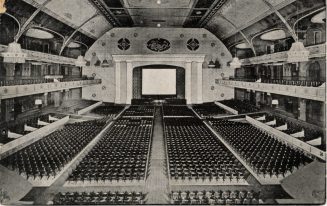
313 93
25 90
100 5
43 57
158 45
213 10
193 44
124 44
316 51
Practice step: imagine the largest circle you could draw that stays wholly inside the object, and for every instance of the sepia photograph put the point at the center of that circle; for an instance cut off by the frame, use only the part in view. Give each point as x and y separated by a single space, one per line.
162 102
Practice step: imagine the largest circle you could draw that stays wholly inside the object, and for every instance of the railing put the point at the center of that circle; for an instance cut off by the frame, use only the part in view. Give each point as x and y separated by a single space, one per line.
37 56
39 81
313 93
24 90
304 83
315 51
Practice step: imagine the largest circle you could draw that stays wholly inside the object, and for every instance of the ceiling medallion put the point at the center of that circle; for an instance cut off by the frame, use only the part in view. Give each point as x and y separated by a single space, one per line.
182 35
213 44
204 35
158 44
193 44
112 34
94 95
123 44
135 34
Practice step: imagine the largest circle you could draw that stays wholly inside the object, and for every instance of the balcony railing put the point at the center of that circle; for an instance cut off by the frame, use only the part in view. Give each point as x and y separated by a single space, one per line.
44 57
40 81
303 83
315 51
313 93
30 89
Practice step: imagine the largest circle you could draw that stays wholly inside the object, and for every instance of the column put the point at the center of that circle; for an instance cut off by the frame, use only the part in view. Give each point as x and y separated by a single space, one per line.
56 98
45 99
117 78
129 82
188 88
66 95
199 82
302 109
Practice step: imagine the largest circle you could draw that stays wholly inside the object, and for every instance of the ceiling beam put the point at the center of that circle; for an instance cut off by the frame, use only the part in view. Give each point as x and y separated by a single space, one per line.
105 11
243 35
67 40
30 19
59 18
211 12
289 28
257 19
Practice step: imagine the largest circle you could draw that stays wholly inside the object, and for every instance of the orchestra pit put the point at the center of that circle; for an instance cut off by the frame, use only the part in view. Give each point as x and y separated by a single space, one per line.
162 102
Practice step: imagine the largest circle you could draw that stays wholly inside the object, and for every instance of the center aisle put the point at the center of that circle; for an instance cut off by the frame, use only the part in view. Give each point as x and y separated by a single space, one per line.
157 182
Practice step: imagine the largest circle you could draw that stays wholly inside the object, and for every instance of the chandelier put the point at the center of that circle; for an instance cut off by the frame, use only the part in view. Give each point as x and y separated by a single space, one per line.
80 62
298 53
14 54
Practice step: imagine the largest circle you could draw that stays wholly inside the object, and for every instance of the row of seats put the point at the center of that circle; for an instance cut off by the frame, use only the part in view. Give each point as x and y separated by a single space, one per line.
265 154
195 153
242 106
292 127
120 155
99 198
220 197
109 112
18 126
74 105
208 110
47 156
177 111
139 110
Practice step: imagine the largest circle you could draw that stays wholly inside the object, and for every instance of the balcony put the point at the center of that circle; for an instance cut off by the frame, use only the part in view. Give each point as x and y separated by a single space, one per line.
313 93
316 51
44 57
37 88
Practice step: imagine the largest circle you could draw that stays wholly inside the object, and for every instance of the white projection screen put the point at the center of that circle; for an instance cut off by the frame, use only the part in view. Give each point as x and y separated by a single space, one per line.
158 81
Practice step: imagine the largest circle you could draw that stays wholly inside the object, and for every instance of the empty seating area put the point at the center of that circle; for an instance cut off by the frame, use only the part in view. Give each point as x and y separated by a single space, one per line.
219 197
242 106
177 111
195 153
139 110
121 154
46 157
99 198
296 129
107 110
208 110
265 154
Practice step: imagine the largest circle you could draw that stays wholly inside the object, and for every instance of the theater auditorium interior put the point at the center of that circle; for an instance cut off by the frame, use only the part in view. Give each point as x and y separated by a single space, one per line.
106 102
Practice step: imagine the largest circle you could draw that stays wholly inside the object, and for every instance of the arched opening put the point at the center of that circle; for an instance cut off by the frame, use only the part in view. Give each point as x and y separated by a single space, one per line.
313 73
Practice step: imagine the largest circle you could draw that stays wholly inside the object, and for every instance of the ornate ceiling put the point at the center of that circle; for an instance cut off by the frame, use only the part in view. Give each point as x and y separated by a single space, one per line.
232 21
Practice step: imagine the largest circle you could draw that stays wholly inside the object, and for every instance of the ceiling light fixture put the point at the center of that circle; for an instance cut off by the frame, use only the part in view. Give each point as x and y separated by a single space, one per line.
159 2
158 25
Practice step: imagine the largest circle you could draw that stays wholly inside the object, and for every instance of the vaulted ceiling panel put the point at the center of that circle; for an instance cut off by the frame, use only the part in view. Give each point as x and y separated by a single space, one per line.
219 26
71 10
97 26
155 4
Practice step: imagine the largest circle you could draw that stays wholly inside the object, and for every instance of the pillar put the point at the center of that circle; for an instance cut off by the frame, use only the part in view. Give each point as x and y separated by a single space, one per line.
302 109
7 109
65 95
45 99
129 82
199 82
56 98
117 81
188 80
